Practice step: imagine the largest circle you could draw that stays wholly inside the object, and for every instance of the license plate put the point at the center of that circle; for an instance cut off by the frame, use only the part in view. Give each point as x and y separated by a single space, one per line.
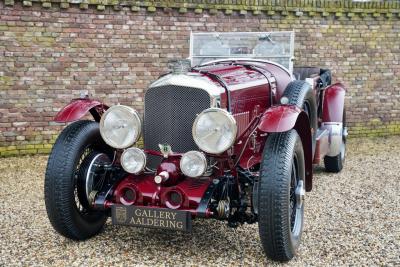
151 217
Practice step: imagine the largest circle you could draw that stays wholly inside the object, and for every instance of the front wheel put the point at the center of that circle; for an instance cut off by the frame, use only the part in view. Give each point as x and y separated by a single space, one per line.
70 179
281 195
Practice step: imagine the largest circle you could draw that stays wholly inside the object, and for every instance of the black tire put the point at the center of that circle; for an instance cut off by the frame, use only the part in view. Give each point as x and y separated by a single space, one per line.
280 212
302 95
335 164
76 143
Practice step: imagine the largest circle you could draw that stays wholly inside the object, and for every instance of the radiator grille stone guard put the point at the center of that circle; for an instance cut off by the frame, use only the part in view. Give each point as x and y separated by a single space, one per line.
169 113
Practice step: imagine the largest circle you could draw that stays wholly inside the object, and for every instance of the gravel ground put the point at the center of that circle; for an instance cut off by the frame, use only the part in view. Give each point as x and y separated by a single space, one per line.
352 218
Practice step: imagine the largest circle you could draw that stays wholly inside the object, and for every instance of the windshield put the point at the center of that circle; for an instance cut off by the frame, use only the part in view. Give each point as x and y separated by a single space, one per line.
273 46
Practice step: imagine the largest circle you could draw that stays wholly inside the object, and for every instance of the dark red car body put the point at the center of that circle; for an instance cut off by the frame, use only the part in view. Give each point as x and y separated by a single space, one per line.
255 103
234 138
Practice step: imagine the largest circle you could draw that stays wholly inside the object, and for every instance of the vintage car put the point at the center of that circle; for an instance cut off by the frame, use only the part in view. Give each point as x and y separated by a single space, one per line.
231 134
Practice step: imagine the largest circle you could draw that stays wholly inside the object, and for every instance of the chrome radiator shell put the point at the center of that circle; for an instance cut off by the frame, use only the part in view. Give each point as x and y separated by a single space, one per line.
169 113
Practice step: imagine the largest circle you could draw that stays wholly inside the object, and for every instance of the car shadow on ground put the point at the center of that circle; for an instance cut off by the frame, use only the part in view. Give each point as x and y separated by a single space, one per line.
207 237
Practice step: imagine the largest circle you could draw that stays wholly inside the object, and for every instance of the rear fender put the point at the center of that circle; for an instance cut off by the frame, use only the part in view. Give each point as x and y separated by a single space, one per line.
283 118
332 109
78 108
332 117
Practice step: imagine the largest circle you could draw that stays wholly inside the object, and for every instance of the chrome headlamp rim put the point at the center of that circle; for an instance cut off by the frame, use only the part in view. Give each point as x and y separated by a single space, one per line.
135 115
203 160
231 119
137 150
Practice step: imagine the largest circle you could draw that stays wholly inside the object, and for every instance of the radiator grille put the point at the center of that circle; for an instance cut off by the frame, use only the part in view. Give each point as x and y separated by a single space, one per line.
242 121
169 113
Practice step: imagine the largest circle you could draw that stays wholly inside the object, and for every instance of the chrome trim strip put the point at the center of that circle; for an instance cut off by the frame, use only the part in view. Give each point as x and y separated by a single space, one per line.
194 80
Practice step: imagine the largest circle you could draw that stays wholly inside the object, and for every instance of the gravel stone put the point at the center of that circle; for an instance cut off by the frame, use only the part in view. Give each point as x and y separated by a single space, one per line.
351 218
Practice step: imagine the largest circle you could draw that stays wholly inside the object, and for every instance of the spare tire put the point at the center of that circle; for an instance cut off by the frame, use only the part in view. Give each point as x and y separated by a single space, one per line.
301 94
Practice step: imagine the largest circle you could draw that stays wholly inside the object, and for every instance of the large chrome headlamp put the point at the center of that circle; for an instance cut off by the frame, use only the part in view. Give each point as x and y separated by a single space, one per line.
214 130
120 126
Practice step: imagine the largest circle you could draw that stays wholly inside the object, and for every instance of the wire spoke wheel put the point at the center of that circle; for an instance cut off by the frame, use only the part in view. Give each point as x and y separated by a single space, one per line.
78 199
297 193
281 195
70 167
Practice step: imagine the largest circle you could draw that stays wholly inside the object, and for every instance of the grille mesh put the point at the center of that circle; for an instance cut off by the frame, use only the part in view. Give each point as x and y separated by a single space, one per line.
169 113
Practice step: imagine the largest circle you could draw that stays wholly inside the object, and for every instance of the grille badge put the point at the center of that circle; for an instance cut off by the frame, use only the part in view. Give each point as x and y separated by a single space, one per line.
165 149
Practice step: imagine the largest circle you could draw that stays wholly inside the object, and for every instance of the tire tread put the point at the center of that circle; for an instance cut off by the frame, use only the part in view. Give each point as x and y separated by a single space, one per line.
298 92
57 179
273 193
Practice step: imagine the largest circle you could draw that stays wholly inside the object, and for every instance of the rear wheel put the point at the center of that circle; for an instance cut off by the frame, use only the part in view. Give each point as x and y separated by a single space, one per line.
281 195
70 179
335 163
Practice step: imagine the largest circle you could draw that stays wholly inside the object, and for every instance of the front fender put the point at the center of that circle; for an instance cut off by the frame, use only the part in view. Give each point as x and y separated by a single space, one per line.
78 108
279 119
283 118
333 105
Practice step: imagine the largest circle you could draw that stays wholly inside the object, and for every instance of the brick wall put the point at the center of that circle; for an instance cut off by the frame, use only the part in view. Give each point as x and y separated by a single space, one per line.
50 51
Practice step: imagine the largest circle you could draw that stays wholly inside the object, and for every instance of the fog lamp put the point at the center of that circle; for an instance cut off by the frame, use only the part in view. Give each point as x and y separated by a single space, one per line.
133 160
193 164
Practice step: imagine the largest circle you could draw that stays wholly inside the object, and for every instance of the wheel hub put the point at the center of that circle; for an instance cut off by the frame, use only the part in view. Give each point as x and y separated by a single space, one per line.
300 193
100 160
